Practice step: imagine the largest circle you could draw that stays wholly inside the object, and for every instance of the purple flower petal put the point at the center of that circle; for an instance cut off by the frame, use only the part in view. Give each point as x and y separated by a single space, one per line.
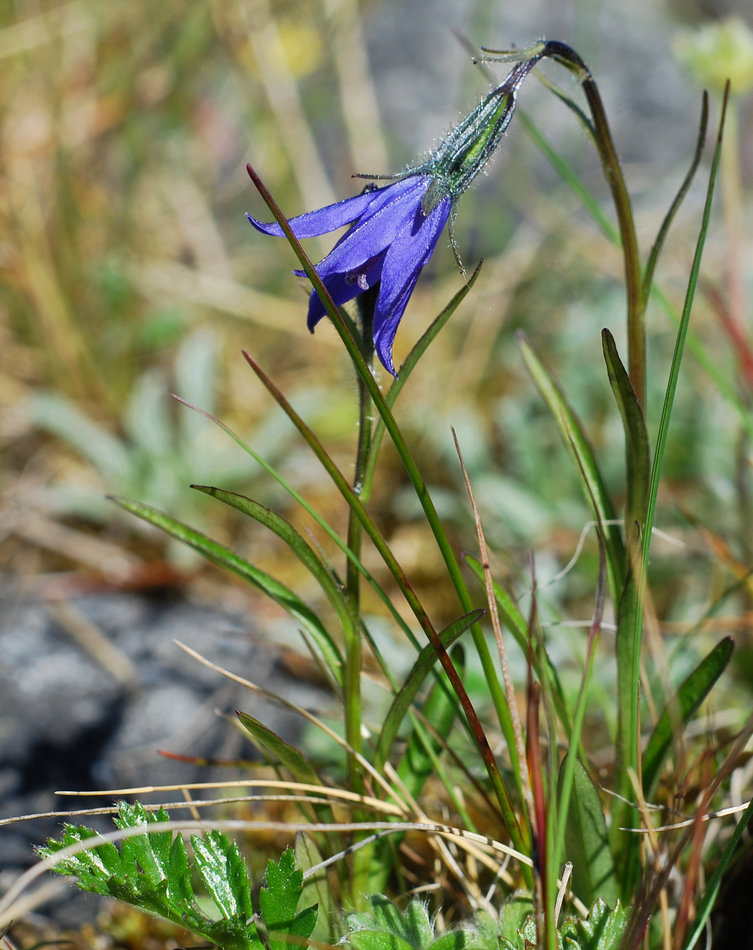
334 216
403 262
342 288
375 230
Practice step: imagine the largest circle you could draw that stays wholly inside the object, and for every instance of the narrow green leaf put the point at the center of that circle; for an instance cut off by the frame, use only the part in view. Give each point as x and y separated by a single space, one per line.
625 846
316 890
582 454
653 257
222 556
713 886
415 680
284 530
637 454
407 368
516 623
287 754
587 841
682 331
678 711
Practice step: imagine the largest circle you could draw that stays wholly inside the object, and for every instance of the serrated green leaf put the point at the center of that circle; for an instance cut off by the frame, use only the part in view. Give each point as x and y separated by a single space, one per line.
418 929
513 914
385 926
223 871
587 840
458 940
150 853
376 940
151 872
279 900
603 930
692 692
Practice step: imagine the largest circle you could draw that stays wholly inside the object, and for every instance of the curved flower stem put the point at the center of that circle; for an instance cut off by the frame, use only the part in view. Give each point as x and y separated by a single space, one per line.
636 300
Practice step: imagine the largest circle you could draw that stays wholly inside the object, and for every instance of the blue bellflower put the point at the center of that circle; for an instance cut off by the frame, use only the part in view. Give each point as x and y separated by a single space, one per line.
395 228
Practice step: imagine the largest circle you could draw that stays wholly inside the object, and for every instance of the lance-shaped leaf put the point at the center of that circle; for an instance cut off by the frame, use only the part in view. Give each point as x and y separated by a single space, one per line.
587 841
287 754
427 658
692 692
582 454
222 556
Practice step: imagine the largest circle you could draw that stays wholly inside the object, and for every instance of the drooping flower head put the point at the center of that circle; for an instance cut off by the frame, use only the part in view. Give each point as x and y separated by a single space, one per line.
395 228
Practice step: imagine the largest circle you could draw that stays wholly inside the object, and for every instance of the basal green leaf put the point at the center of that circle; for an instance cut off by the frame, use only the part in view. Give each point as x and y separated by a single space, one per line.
587 841
316 891
692 692
513 914
376 940
151 871
458 940
423 666
603 930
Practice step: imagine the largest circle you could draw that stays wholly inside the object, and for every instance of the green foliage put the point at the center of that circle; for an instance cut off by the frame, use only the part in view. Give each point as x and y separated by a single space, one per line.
152 871
602 930
385 927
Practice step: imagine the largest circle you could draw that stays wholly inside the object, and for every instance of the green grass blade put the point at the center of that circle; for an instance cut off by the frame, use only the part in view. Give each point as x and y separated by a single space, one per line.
516 623
570 177
405 371
658 244
581 452
680 708
674 372
302 550
713 886
223 557
314 514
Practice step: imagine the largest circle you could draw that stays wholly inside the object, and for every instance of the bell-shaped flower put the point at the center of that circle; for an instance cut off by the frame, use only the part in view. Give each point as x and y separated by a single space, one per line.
395 228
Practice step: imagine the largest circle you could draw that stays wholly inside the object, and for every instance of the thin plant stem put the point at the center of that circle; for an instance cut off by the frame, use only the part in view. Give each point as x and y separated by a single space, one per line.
430 512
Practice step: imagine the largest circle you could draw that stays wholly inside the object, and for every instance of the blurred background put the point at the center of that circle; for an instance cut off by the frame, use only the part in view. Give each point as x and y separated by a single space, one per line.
128 272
